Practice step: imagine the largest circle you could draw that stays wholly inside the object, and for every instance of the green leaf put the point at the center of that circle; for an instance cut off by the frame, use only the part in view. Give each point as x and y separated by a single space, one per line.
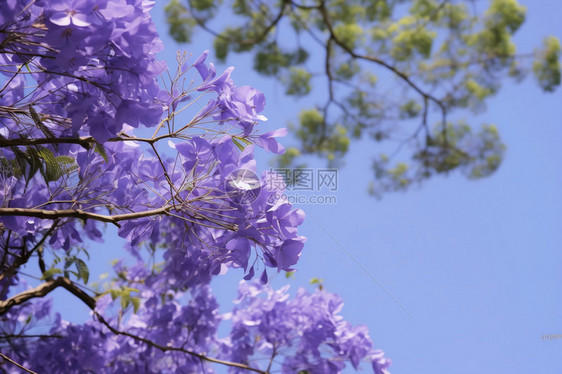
99 149
125 300
547 65
349 34
298 82
83 271
11 167
136 303
201 5
69 262
410 109
221 48
56 167
37 119
238 144
50 272
316 280
180 21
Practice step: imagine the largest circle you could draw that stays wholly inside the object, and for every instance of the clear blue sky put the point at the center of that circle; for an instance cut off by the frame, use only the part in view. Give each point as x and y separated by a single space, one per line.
477 264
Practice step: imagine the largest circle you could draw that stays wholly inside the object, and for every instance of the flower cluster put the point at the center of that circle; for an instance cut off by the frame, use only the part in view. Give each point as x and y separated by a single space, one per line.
92 65
78 81
109 48
307 330
237 105
302 333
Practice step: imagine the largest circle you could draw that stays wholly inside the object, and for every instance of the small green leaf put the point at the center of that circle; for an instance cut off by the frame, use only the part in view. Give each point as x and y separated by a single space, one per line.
136 303
69 262
316 280
37 119
55 167
238 144
83 271
99 149
221 47
298 82
180 21
50 272
125 299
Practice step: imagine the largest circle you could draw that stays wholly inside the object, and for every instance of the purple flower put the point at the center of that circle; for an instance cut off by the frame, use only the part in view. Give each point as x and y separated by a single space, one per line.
116 9
267 141
379 362
101 82
288 254
72 12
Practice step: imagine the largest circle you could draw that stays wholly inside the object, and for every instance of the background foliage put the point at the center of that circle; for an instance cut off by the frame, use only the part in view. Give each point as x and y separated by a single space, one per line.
448 57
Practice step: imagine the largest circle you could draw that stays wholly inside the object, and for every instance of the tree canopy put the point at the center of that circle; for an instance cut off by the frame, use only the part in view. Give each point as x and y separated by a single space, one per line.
79 91
446 57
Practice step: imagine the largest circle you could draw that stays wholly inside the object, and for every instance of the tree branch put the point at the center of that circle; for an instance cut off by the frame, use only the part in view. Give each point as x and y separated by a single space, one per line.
42 290
79 213
86 142
402 75
16 364
113 219
30 336
255 40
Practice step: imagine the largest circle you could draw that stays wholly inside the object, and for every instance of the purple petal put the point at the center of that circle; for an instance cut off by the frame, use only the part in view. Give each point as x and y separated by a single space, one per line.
60 19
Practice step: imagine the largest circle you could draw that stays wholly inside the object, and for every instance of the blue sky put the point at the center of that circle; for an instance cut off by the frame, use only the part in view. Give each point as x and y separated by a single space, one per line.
477 265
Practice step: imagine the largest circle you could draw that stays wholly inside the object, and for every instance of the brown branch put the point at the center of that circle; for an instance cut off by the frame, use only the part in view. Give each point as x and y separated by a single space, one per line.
113 219
30 336
255 40
86 142
41 291
79 213
380 62
16 364
329 68
305 7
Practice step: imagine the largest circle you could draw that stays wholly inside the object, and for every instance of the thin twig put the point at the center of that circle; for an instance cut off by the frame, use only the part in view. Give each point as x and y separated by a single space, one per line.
16 364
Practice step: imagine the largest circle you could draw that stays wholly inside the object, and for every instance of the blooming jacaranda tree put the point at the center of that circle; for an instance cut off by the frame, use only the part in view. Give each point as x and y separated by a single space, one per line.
79 91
